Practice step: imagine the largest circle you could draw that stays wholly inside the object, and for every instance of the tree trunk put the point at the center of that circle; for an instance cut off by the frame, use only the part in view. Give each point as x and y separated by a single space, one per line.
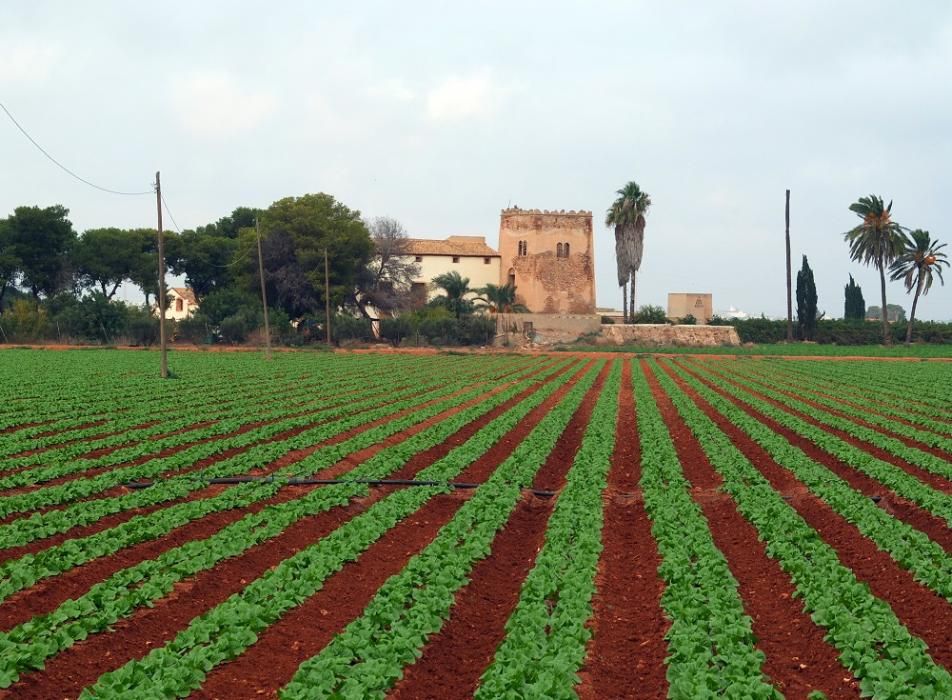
887 336
912 313
624 303
631 304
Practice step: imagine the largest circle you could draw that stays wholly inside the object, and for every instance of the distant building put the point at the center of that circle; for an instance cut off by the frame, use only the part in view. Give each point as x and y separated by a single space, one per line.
182 303
468 255
549 257
698 305
733 313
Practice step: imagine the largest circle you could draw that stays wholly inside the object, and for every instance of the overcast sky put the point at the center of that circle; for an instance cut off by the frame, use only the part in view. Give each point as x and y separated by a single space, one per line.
441 114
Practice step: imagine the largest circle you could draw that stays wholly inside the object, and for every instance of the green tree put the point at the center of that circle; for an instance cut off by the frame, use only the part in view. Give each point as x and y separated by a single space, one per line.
41 240
806 301
295 233
211 257
627 216
855 305
144 270
877 241
106 257
916 266
9 262
455 289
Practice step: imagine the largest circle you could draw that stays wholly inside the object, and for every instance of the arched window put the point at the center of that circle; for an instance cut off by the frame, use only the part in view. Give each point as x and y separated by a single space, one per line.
512 277
565 250
523 248
558 250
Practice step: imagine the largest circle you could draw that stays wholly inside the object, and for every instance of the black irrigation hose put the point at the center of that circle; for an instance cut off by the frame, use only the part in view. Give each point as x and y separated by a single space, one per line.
542 493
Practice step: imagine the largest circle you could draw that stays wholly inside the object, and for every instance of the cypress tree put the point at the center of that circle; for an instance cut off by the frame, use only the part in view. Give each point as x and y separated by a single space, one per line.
806 301
855 304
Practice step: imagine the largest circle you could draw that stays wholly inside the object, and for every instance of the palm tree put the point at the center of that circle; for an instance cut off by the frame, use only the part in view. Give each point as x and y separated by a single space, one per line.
456 288
878 240
627 215
501 300
915 266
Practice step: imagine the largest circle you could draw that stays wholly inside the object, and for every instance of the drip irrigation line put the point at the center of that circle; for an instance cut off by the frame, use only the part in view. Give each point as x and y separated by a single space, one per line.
295 481
63 167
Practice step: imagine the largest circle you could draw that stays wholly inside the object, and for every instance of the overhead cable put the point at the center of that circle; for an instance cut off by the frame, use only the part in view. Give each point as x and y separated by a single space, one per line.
63 167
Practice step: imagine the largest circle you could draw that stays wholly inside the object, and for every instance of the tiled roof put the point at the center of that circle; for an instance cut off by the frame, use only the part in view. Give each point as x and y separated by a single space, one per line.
454 245
187 294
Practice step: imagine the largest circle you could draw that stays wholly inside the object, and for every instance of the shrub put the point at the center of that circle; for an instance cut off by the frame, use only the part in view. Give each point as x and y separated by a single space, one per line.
194 329
607 320
396 330
650 314
476 330
688 320
345 327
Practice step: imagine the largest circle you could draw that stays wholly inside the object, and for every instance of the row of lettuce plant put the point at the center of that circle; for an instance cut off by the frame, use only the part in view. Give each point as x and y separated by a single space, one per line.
924 437
249 410
25 571
203 446
155 418
84 388
893 478
266 598
46 523
840 398
546 635
711 645
367 657
360 378
121 413
913 550
888 382
872 643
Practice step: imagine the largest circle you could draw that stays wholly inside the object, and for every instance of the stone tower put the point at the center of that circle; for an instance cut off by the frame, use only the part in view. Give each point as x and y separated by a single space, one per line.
549 256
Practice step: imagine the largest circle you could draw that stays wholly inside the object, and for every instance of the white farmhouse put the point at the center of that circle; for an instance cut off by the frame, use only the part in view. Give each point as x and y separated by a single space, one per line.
468 255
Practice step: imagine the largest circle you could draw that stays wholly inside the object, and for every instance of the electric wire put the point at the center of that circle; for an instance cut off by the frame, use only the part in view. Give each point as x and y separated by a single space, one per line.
169 212
63 167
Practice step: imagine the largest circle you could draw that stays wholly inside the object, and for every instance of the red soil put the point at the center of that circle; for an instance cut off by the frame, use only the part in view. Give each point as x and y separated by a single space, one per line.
271 662
926 614
627 651
933 526
798 659
84 662
46 595
454 658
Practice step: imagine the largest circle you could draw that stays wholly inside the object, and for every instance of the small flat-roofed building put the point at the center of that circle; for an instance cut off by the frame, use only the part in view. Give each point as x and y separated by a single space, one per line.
697 304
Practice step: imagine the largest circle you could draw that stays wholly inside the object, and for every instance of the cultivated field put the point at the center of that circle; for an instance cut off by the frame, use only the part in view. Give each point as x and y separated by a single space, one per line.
547 526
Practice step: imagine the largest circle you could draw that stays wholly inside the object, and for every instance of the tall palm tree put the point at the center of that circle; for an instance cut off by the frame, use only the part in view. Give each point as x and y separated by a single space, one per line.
878 240
455 288
916 265
627 215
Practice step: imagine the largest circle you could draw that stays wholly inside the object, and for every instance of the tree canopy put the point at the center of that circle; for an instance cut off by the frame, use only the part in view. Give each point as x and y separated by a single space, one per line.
39 242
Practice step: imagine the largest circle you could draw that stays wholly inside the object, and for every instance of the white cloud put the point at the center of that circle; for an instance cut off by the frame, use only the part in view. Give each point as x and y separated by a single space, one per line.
215 104
394 89
24 60
458 98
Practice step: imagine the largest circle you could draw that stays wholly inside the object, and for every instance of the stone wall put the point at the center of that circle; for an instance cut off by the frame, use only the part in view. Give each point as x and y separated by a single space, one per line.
665 335
545 281
549 328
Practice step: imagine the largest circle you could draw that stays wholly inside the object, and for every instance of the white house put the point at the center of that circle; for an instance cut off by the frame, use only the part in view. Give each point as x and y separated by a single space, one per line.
468 255
182 303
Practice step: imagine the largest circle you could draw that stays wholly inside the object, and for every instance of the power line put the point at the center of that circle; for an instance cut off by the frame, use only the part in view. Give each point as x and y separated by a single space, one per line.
169 212
63 167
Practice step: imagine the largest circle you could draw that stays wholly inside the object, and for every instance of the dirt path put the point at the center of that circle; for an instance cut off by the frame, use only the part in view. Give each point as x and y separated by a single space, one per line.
627 651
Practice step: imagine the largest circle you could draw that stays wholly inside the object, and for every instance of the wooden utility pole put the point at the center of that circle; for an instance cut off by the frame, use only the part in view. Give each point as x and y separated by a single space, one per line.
789 297
264 294
163 344
327 298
